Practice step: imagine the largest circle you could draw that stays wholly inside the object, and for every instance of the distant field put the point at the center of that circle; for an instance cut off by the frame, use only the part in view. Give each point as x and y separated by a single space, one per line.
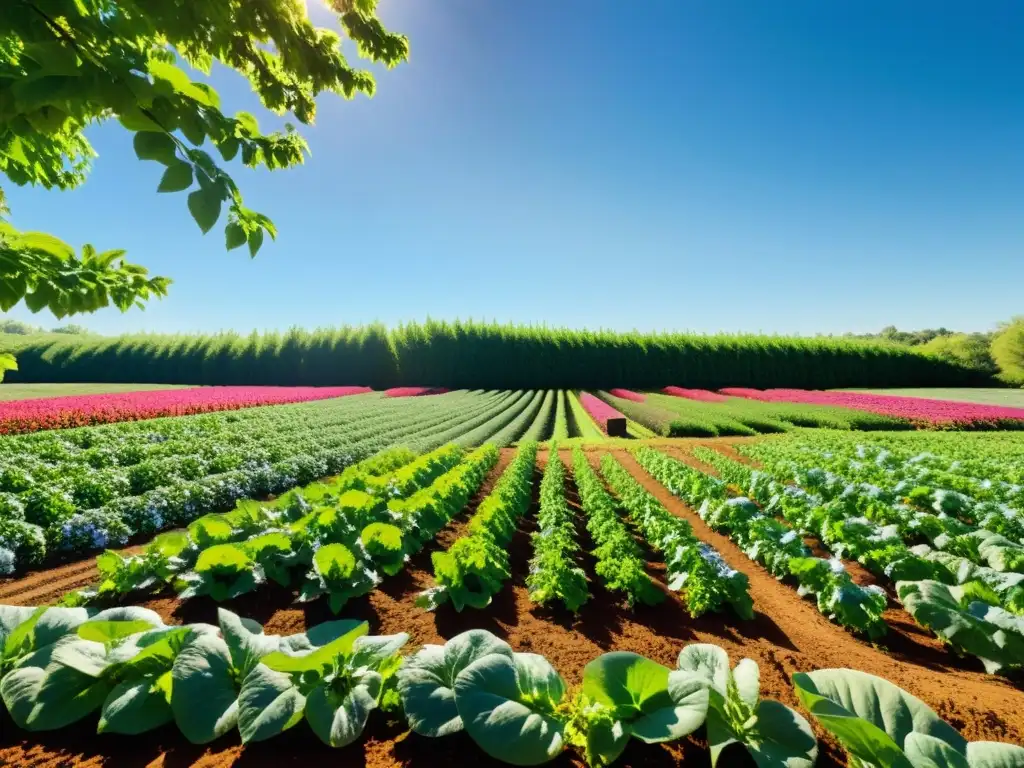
1013 398
32 391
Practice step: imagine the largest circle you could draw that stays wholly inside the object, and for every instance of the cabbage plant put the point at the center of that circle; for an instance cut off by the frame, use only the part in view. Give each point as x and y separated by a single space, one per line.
882 726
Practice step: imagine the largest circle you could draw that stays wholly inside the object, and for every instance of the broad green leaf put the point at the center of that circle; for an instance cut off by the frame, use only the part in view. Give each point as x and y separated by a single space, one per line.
747 677
317 658
500 719
321 635
136 706
234 235
627 683
107 632
176 178
11 617
371 650
268 704
156 146
686 713
85 656
708 660
64 697
255 241
607 738
204 204
990 754
246 645
54 623
869 715
339 718
18 689
924 751
426 680
783 739
203 696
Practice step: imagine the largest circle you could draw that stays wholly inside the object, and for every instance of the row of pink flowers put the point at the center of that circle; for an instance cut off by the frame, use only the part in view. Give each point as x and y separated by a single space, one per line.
628 394
414 391
19 416
704 395
917 409
608 419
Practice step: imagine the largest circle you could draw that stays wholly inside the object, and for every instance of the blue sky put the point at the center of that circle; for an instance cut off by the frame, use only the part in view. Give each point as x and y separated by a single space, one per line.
792 167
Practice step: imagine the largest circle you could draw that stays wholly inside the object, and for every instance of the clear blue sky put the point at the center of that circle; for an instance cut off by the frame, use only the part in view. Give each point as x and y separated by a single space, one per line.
797 167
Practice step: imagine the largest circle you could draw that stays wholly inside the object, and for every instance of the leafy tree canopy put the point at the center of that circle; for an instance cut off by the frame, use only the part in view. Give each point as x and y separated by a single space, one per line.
68 64
1008 351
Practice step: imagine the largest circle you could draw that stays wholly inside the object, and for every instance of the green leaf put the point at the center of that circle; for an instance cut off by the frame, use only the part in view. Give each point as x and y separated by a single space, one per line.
316 659
19 688
203 698
156 146
990 754
234 236
747 677
339 718
228 148
64 697
371 650
107 632
176 178
870 716
502 718
426 680
268 704
709 661
784 739
655 703
204 205
137 706
255 242
247 644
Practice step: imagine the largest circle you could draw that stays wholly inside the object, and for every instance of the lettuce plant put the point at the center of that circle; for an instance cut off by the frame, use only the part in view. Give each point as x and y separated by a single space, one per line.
224 571
881 725
973 626
426 681
338 573
336 682
773 734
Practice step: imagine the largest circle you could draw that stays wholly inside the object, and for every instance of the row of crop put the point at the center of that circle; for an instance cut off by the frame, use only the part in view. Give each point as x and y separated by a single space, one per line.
20 416
476 566
54 523
920 410
618 559
925 480
776 546
915 520
60 666
332 540
680 416
977 610
555 574
692 566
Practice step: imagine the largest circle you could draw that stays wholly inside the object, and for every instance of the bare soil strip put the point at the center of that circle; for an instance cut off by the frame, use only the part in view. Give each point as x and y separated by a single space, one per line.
788 635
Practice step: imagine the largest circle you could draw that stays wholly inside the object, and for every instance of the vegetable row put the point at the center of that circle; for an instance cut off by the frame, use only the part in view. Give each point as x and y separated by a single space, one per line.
131 673
974 609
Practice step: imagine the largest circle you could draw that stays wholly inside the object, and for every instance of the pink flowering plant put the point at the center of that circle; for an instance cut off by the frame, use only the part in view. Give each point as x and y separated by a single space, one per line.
599 411
927 411
628 394
704 395
19 416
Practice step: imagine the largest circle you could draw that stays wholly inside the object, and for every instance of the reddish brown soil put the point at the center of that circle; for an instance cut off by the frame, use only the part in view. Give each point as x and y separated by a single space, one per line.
787 635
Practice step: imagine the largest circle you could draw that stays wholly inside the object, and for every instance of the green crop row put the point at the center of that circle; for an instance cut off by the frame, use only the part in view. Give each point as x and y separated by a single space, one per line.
133 674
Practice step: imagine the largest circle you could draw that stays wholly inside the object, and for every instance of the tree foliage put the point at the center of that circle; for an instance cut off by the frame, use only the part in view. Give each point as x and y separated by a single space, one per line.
1008 351
970 349
69 64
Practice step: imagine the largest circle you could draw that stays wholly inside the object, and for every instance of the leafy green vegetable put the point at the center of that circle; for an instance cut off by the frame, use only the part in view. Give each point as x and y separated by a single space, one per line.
508 706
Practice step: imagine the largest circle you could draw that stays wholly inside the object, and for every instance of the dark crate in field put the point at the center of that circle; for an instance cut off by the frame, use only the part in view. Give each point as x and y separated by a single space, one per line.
616 427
